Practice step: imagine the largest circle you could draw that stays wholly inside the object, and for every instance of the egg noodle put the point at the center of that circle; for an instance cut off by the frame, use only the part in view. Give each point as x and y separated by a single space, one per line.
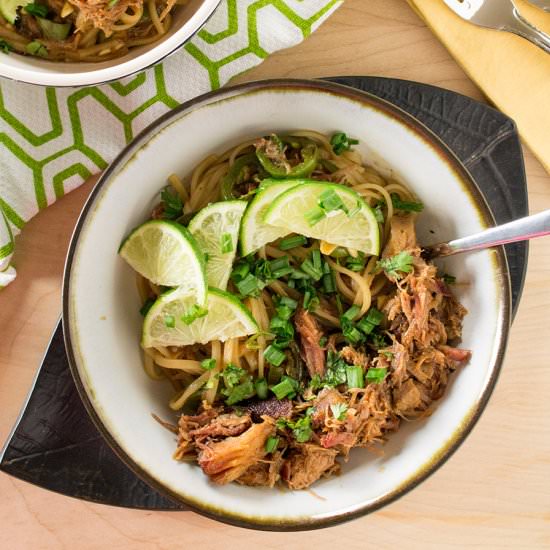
181 365
93 34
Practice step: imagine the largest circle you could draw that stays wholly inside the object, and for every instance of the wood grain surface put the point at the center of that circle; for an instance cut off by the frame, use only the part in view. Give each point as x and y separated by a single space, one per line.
493 493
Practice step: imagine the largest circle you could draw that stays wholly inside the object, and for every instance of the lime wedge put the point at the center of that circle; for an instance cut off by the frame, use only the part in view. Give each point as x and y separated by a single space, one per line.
226 318
167 254
254 232
328 211
216 230
8 8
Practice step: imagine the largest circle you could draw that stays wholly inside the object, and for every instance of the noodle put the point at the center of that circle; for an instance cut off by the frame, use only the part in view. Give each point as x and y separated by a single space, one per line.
96 31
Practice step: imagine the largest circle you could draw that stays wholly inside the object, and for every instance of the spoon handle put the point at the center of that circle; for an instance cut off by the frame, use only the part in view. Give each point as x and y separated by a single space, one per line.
522 229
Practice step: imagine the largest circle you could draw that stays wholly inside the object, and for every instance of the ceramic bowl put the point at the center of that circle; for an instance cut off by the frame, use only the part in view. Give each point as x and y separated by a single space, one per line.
102 322
188 20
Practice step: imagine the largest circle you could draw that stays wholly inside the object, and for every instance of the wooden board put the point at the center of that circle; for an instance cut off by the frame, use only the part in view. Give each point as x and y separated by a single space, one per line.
493 493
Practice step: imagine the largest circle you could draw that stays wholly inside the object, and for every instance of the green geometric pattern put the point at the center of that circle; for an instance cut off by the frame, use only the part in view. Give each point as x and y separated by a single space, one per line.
51 140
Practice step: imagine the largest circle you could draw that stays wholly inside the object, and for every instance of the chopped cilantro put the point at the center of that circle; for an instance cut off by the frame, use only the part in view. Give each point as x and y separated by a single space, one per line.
339 410
395 266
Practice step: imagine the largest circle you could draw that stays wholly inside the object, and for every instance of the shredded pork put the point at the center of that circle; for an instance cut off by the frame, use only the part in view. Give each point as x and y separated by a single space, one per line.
422 321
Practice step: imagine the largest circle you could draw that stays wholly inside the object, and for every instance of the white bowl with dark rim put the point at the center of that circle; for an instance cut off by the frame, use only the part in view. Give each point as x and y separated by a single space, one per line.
102 323
187 21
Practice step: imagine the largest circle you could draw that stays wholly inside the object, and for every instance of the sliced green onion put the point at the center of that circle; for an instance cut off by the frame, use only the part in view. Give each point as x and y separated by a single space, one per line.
274 355
285 388
250 285
292 242
36 48
329 200
261 388
271 444
280 267
309 268
314 216
226 243
352 334
354 376
194 313
376 374
170 321
406 206
448 279
341 142
240 271
351 313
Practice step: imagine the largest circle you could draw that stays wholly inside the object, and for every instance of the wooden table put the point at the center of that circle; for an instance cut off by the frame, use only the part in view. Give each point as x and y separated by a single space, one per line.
493 493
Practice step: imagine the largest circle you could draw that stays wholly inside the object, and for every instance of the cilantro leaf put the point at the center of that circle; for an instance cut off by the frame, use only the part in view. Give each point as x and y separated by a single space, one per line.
395 266
173 207
339 410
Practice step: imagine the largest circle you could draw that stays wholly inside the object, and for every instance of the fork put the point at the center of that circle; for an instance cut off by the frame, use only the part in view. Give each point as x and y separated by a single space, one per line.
542 4
501 15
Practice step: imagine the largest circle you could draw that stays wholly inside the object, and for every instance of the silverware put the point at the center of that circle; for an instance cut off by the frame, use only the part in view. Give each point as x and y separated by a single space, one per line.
542 4
521 229
501 15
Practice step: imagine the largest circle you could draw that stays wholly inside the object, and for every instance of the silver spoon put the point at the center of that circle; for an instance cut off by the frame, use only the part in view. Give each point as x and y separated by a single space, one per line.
521 229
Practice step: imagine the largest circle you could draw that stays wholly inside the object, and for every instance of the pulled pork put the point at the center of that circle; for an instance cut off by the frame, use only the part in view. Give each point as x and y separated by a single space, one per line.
423 321
102 14
310 336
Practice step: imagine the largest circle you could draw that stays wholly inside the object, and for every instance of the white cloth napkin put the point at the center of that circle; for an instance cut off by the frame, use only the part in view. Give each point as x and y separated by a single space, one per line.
51 140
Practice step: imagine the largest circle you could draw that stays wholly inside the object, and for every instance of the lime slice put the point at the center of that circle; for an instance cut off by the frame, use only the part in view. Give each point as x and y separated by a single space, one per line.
167 254
254 232
298 210
227 318
216 230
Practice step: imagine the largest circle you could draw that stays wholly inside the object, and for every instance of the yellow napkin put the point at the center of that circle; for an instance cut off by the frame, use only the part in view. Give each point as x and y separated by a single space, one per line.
512 72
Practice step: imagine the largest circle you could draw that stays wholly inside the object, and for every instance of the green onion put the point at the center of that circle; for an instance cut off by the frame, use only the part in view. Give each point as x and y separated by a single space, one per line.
38 10
261 388
341 142
240 271
292 242
329 283
208 364
311 301
329 200
240 392
250 285
351 313
357 263
112 3
376 375
310 269
448 279
226 243
314 216
274 355
316 260
288 302
406 206
339 410
298 274
280 267
5 47
194 313
146 306
378 214
287 387
352 334
271 444
36 48
354 376
368 323
170 321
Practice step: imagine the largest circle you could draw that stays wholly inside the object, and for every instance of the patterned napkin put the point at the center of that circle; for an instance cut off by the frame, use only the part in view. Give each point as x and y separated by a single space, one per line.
51 140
